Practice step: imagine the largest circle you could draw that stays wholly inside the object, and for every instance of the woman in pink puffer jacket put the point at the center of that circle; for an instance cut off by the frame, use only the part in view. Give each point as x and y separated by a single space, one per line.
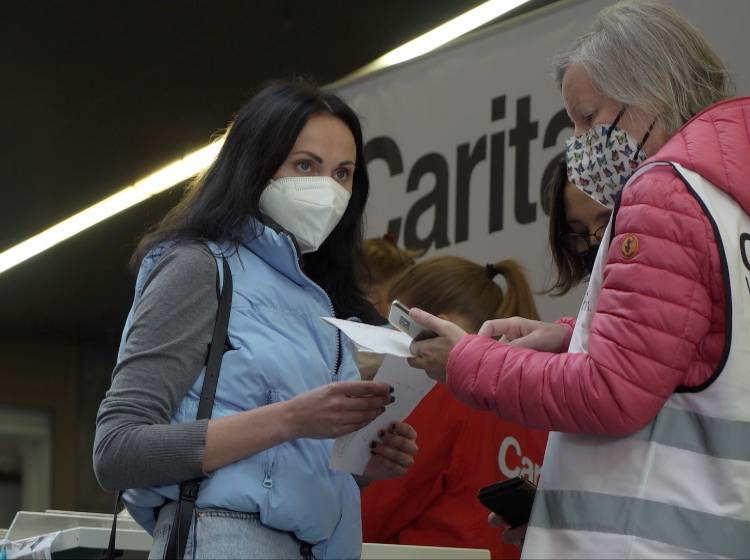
649 389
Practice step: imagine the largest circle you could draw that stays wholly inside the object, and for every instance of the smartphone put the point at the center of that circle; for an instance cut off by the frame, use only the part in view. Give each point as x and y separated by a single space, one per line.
511 499
398 316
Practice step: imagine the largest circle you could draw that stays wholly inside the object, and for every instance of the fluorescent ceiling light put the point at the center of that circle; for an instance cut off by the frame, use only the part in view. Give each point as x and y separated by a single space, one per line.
443 34
167 177
192 164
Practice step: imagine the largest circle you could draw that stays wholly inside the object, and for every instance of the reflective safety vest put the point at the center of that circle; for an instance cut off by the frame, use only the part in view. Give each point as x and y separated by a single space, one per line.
680 487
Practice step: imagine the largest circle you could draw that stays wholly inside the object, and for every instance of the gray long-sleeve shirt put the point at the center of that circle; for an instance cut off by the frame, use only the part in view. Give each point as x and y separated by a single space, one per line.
135 444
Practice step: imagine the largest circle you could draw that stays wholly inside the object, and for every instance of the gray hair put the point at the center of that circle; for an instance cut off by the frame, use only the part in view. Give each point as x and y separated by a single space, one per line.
643 54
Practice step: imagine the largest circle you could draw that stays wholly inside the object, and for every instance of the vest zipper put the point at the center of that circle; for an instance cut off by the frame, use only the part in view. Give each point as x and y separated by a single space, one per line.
335 375
267 480
339 357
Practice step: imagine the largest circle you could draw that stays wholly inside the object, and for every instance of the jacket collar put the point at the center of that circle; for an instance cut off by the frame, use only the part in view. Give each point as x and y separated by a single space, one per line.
275 246
715 143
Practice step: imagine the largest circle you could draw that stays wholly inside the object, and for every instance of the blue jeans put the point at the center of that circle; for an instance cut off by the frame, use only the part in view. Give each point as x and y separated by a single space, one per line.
221 533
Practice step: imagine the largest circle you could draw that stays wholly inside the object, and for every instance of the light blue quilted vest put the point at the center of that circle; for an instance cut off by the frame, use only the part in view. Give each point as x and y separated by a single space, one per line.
280 348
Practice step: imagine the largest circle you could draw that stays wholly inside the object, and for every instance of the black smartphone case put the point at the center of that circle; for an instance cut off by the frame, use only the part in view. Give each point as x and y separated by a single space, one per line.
511 499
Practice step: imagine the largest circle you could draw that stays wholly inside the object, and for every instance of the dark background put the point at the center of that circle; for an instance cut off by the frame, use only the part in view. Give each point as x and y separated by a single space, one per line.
97 94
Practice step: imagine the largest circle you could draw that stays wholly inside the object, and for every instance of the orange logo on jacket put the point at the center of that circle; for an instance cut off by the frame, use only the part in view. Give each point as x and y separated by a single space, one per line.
629 246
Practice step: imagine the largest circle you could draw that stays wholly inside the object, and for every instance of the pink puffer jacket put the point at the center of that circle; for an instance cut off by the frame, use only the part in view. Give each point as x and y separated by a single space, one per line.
660 321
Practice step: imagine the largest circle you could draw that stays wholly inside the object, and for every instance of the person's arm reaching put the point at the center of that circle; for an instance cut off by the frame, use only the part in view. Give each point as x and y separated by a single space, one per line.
653 314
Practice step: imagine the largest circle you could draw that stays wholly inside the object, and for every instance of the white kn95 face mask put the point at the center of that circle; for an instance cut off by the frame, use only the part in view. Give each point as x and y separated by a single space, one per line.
307 207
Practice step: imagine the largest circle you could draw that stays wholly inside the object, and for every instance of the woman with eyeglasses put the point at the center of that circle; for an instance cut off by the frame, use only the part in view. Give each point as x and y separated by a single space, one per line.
646 393
576 226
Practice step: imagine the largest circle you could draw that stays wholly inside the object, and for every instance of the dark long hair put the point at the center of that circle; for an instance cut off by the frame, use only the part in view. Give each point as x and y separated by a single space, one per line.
217 205
570 267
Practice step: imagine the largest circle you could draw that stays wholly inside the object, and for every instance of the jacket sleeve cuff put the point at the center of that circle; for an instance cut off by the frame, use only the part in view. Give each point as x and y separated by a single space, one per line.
454 355
462 368
569 323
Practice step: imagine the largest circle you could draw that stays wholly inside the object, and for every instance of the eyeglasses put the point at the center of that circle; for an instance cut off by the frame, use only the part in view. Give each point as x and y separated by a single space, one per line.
580 243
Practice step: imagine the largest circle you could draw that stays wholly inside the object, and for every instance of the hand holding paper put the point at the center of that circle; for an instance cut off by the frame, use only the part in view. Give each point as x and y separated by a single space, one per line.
337 408
392 454
351 453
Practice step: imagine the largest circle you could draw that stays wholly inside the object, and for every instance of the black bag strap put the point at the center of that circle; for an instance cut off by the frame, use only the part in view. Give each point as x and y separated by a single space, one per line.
111 553
178 533
216 352
183 515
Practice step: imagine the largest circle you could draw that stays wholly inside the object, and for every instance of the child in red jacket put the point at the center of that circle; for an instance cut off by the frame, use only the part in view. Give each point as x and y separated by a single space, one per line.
460 449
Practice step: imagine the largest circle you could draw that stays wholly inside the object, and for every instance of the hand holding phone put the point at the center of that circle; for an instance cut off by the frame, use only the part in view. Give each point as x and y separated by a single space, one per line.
398 316
510 499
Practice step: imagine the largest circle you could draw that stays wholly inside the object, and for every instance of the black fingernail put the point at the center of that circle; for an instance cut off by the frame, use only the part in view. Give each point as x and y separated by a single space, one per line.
373 444
393 427
381 433
382 409
391 390
372 452
393 399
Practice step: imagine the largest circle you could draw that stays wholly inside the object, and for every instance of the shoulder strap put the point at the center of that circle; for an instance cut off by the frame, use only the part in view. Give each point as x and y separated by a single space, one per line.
216 352
183 514
178 533
111 553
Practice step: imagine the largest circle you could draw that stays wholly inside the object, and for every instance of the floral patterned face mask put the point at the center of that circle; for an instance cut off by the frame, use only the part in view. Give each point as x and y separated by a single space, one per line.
602 159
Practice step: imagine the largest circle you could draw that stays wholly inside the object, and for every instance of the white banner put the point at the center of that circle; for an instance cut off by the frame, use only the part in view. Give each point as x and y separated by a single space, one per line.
458 141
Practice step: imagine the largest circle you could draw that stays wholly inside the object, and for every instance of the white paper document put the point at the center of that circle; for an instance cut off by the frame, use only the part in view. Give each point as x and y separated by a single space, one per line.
351 452
369 338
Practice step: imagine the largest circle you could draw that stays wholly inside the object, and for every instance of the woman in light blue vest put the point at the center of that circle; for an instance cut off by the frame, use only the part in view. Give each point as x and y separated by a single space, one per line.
283 204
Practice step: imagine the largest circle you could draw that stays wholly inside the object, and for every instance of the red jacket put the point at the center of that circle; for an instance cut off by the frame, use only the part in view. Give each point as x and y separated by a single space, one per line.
435 504
660 320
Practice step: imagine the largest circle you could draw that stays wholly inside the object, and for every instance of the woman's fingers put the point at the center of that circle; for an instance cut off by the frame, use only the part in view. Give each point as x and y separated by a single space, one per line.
493 328
515 535
510 535
507 328
495 520
394 455
437 325
361 388
397 444
354 404
545 338
403 429
441 327
358 400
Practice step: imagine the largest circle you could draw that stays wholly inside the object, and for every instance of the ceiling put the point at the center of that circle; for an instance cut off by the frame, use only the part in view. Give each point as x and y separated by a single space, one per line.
95 95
